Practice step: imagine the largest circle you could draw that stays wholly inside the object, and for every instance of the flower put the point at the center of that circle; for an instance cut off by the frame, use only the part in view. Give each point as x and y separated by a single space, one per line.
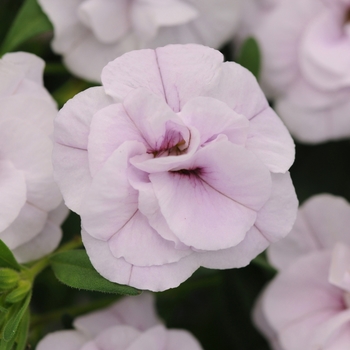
307 306
129 324
176 162
90 33
305 65
31 204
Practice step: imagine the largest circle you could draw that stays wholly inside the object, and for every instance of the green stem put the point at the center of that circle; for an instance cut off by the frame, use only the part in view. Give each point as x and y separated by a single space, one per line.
76 242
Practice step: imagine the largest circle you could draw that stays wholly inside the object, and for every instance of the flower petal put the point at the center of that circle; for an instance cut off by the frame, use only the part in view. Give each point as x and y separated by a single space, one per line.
101 19
69 340
110 202
120 337
110 128
28 224
321 221
238 256
212 117
276 218
164 72
139 244
215 208
70 157
270 140
46 241
13 193
138 312
181 339
154 278
158 124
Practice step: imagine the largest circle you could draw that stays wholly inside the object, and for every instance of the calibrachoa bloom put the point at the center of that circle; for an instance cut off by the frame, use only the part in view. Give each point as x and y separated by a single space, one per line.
31 208
90 33
130 324
306 54
176 162
307 306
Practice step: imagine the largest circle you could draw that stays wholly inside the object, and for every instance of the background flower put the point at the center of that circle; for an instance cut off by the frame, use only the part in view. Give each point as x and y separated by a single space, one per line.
307 305
31 205
90 33
305 64
189 170
129 324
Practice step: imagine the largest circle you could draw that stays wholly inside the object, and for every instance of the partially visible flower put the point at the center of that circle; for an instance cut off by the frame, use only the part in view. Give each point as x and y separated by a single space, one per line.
305 54
129 324
176 162
90 33
31 208
307 306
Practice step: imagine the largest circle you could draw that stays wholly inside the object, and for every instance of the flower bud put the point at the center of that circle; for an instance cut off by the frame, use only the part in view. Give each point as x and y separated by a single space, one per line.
8 279
19 293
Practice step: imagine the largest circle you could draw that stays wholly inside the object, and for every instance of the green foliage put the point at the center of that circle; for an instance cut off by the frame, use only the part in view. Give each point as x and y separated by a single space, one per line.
74 269
29 22
249 56
11 327
6 257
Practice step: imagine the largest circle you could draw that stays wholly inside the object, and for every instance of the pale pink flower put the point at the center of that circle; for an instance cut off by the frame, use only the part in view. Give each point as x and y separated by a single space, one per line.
31 208
90 33
305 48
176 162
307 306
129 324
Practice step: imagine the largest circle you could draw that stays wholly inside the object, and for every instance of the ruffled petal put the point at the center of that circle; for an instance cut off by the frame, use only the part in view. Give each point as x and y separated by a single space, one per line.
138 312
154 278
139 244
148 17
160 127
276 218
212 117
70 158
214 207
69 340
238 256
46 241
12 193
110 202
28 224
120 337
108 20
164 72
110 128
181 339
321 221
270 140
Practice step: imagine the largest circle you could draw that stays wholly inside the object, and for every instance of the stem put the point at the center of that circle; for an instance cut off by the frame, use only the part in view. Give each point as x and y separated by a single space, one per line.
76 242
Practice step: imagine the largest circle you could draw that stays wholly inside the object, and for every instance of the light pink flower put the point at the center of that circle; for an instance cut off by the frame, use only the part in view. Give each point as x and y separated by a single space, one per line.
306 52
307 306
176 162
90 33
322 221
129 324
31 208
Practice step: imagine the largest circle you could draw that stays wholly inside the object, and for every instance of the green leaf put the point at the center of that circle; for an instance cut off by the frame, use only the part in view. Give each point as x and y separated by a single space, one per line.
74 269
23 331
11 326
6 257
29 22
249 56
